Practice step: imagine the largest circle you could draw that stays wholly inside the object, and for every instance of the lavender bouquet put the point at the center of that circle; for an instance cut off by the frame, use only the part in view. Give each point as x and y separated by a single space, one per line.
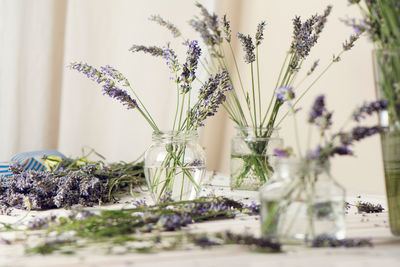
381 20
256 117
180 159
303 201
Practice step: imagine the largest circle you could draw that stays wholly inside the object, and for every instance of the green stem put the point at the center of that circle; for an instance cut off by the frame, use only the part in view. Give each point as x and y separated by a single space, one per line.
240 80
155 128
180 115
254 97
309 87
259 88
177 106
146 113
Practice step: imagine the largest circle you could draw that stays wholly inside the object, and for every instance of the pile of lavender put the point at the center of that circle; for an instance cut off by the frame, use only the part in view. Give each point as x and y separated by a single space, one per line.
144 223
68 183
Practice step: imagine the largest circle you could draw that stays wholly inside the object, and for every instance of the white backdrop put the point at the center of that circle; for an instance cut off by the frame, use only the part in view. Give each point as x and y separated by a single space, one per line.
44 105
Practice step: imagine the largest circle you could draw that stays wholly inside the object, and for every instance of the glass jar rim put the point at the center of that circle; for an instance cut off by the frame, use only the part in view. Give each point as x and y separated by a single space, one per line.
160 135
252 127
301 162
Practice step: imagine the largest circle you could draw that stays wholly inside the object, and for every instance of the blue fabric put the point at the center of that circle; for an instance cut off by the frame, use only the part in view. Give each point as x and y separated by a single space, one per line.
4 170
29 161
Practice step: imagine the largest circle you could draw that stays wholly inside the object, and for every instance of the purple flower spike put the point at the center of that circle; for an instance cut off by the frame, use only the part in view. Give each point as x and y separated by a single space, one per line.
317 109
370 108
248 47
172 61
189 68
212 94
109 78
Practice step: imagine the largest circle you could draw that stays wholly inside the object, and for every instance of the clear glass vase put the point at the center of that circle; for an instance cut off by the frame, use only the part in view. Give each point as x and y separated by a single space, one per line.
387 81
251 153
302 201
174 165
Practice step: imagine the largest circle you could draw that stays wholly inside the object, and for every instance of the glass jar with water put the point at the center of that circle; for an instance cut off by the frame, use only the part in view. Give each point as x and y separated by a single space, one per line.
174 165
301 202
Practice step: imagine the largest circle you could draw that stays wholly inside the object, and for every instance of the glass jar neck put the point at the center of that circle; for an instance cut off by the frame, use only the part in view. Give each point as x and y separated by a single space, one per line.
316 167
175 136
290 168
253 132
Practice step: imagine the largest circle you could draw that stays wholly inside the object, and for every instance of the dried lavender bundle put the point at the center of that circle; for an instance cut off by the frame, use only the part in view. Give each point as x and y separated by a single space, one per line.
67 183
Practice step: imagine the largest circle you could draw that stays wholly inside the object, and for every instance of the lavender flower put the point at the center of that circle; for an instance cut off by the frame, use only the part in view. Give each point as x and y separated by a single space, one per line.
253 208
207 26
226 25
284 93
369 207
167 53
360 132
370 108
171 60
304 37
195 163
313 67
341 150
152 50
319 115
212 94
347 45
322 20
189 68
106 78
174 222
201 27
358 26
171 27
122 96
115 74
339 143
318 108
248 47
260 32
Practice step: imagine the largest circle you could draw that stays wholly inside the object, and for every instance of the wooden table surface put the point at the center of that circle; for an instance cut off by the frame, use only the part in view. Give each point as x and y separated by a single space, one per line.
385 250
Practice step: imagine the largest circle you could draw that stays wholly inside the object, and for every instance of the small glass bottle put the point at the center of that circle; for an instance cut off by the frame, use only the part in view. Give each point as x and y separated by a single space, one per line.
174 165
251 153
301 202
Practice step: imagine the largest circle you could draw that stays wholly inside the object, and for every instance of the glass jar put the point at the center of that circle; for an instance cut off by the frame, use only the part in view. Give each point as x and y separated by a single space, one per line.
387 83
302 201
251 153
174 165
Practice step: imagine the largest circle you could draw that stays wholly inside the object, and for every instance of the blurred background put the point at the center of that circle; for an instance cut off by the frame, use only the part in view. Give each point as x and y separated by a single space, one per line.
45 105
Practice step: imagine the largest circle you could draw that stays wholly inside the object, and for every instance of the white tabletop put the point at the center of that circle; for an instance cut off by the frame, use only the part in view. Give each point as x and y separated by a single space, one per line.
385 250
